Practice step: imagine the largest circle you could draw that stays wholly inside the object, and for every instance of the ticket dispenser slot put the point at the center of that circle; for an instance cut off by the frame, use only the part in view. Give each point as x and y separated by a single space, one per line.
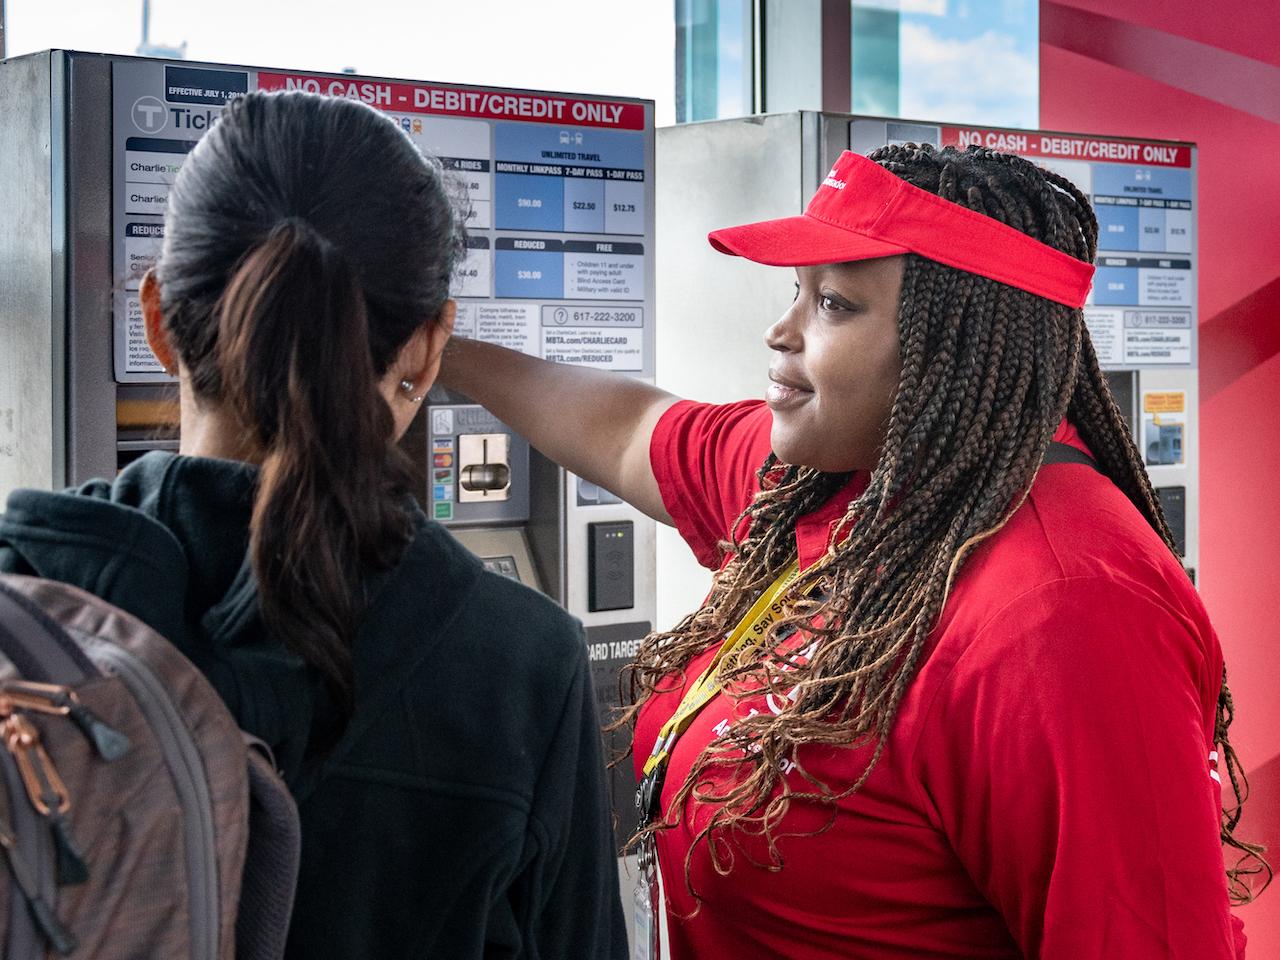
484 470
477 483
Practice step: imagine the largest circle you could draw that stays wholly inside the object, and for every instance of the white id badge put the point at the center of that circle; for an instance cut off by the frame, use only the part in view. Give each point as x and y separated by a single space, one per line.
646 903
646 924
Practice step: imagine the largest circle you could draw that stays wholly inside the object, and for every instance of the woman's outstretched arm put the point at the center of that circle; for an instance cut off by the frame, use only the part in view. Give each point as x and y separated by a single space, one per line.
596 424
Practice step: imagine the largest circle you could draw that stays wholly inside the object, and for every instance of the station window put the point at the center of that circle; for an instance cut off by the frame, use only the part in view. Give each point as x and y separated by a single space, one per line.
952 60
715 48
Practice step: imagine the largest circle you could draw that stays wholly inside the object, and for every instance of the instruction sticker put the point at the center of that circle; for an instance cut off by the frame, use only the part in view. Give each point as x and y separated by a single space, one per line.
605 349
511 325
1170 401
1130 338
137 351
1106 330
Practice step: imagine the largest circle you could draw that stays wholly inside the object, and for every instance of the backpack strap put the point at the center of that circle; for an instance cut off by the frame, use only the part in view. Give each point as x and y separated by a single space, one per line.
1065 453
271 861
36 644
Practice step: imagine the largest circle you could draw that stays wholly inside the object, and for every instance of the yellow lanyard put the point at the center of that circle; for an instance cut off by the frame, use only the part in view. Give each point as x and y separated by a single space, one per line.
751 630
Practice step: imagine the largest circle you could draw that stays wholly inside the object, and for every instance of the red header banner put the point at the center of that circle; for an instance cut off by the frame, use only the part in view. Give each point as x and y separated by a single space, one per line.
458 102
1059 146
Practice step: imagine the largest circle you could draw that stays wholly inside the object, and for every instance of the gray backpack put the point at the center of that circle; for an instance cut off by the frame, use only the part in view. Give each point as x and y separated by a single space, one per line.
136 820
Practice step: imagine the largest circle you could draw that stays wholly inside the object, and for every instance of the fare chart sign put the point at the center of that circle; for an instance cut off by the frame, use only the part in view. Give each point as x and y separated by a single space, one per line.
1142 310
559 260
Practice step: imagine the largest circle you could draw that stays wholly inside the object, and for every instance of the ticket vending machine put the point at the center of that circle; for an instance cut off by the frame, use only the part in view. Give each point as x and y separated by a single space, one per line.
559 264
1142 313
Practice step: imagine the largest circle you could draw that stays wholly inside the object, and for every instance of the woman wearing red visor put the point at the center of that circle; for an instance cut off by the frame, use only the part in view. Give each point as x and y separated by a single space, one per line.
952 693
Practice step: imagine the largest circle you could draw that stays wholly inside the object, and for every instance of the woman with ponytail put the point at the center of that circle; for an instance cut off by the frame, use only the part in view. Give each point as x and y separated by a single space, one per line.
434 721
952 694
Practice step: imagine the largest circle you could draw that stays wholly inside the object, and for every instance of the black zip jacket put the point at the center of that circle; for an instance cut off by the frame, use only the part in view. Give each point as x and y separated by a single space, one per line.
463 812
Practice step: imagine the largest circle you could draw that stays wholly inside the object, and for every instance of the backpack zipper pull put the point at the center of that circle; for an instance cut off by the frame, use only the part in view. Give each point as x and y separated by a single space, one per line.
58 936
110 743
51 698
72 869
47 793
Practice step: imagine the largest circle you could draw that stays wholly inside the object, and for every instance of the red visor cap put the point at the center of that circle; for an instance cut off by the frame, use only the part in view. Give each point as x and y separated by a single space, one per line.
862 211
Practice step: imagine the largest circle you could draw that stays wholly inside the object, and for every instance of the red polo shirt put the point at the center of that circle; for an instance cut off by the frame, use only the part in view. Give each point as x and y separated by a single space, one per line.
1048 788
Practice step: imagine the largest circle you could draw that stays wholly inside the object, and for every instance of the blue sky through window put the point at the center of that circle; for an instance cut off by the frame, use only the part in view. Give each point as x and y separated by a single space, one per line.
968 61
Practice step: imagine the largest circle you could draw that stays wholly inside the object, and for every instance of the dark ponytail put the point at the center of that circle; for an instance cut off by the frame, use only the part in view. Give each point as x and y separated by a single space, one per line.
293 347
307 240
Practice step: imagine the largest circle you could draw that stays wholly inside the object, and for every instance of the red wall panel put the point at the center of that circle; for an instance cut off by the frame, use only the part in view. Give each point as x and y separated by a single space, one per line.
1097 62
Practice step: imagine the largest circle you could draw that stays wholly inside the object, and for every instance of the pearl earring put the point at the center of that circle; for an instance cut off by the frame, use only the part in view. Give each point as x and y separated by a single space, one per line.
407 387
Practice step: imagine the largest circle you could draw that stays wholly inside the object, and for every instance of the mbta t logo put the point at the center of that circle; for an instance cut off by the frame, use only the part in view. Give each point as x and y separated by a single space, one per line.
149 115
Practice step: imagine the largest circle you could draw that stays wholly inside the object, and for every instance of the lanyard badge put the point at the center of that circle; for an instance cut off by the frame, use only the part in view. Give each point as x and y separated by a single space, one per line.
646 907
751 629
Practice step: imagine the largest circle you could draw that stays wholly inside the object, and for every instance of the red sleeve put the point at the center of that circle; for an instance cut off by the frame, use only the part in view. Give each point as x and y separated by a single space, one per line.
1066 759
705 458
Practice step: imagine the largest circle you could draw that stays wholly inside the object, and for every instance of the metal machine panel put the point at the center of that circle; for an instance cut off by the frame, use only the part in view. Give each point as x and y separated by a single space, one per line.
31 374
503 550
91 392
712 309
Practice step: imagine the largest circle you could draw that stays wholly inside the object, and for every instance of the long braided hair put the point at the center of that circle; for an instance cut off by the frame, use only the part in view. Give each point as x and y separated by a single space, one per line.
988 373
